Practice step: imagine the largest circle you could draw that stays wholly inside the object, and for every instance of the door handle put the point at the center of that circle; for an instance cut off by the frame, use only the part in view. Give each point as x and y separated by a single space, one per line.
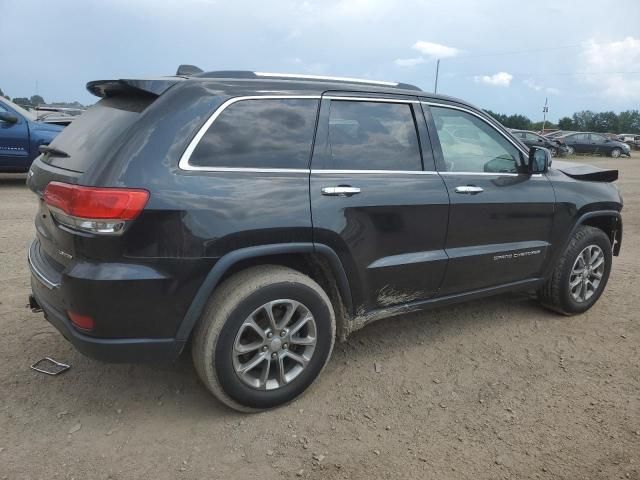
469 189
340 191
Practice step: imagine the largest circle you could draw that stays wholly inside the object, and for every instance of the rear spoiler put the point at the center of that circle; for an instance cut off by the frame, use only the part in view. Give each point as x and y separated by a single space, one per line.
112 88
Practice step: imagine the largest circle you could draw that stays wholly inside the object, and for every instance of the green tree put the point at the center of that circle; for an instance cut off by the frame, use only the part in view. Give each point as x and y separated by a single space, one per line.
584 120
518 121
605 122
498 116
565 123
36 100
629 121
22 101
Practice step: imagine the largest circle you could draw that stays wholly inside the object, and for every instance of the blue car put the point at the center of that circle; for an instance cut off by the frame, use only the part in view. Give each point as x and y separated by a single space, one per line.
21 135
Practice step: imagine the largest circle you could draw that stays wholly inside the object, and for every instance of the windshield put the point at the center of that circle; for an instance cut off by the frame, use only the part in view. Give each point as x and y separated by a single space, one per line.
18 109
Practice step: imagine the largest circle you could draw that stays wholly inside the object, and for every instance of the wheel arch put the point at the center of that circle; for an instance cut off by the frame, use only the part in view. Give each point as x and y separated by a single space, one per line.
609 221
318 261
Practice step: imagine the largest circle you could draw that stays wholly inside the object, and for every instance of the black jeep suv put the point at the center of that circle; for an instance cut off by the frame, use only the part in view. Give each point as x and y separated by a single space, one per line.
260 216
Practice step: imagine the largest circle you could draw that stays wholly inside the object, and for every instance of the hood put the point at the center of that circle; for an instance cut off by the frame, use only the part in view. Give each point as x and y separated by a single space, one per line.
589 173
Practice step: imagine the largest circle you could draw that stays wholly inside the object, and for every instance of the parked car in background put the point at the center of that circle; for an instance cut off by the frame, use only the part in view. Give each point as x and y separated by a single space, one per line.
57 115
557 133
594 143
631 139
21 135
259 216
532 139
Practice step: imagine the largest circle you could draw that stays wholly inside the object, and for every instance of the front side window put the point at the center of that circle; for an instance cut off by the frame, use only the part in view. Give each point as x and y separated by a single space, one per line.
259 133
373 136
597 138
471 145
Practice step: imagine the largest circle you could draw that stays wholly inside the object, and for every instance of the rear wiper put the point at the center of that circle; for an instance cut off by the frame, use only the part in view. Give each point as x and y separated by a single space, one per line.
52 151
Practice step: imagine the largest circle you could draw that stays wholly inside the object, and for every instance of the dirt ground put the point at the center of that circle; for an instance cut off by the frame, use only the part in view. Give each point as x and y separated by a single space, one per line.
497 388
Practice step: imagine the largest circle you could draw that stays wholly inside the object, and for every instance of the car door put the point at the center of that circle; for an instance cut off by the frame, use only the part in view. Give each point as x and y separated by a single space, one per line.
499 220
598 144
581 143
14 141
372 201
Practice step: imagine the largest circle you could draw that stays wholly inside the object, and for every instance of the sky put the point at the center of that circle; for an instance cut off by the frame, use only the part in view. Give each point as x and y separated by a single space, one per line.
505 56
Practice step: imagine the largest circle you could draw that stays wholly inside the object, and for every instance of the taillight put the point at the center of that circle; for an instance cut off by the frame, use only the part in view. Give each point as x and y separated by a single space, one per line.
92 209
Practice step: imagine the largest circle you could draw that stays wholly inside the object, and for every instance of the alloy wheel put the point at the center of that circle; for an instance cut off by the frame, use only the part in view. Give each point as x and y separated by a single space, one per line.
274 344
586 273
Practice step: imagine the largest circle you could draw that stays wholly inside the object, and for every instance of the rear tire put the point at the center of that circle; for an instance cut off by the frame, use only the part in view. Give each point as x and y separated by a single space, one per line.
570 150
237 319
581 273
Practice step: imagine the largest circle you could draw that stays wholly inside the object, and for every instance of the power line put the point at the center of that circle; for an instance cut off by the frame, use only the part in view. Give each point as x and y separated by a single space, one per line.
532 50
559 74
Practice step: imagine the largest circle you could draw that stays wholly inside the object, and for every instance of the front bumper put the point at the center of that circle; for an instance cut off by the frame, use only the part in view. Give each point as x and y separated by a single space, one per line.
46 293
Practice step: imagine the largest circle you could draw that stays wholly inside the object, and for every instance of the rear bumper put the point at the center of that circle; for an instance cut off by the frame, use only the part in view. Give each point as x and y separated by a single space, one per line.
46 292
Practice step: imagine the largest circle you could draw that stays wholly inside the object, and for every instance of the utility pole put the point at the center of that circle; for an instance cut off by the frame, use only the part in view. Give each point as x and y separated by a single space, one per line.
545 110
435 90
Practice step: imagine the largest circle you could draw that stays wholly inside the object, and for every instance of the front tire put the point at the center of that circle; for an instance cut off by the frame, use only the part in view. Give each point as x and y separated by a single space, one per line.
570 150
616 152
581 273
264 337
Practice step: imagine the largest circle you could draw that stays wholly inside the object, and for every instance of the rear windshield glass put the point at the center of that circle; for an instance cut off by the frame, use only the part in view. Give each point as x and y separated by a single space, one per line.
260 133
94 134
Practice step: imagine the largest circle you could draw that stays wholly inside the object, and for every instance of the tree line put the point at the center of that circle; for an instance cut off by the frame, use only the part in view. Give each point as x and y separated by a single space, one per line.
35 100
583 121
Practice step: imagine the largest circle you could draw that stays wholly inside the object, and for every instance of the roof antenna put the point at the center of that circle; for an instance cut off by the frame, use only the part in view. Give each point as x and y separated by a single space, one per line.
188 70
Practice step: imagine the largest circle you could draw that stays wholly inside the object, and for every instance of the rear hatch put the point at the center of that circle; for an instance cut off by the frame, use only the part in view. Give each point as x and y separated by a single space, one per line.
93 137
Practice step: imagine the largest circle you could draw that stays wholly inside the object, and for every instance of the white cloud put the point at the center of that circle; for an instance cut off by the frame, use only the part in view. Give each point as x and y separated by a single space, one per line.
607 60
540 88
500 79
409 62
435 50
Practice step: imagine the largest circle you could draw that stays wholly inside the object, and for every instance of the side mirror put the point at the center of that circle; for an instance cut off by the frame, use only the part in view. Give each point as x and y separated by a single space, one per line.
8 118
539 160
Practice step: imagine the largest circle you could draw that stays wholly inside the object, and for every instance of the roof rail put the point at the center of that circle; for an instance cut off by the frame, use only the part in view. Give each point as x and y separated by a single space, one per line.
297 76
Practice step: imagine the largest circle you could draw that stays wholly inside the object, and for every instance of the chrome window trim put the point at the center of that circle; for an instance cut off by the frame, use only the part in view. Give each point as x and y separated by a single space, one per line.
321 77
467 110
371 99
183 163
491 174
357 172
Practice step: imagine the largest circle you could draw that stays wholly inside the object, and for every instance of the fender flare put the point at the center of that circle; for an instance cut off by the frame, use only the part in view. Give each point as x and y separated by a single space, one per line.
585 216
600 213
227 261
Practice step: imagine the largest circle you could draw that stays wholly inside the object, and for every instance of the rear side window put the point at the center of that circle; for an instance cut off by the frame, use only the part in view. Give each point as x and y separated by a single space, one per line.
373 136
269 133
96 133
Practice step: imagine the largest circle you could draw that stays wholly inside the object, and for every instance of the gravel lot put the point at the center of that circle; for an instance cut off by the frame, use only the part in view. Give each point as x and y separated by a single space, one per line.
498 388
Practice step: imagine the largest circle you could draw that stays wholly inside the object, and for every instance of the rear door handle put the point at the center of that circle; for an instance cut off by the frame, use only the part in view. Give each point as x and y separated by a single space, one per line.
340 191
469 189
